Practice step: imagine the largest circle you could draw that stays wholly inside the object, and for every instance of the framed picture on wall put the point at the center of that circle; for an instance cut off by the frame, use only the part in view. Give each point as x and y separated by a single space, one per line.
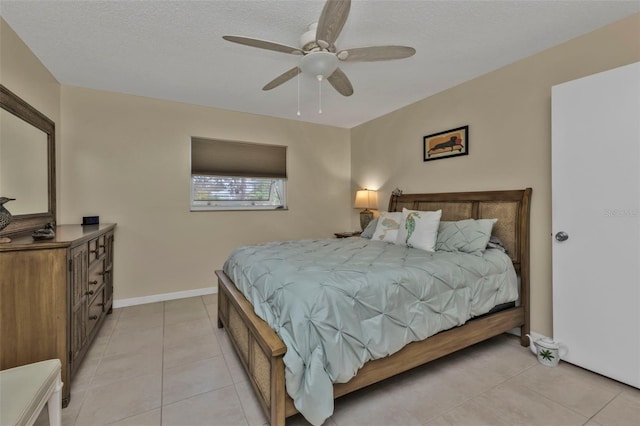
450 143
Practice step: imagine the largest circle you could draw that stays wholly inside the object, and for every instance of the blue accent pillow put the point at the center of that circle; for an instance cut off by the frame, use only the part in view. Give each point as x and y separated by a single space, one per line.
370 229
466 236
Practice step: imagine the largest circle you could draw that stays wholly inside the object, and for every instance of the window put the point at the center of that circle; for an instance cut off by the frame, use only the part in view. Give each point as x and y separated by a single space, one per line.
227 175
234 193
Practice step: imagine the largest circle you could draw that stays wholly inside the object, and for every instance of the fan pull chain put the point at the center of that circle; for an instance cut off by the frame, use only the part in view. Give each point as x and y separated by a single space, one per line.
298 78
319 94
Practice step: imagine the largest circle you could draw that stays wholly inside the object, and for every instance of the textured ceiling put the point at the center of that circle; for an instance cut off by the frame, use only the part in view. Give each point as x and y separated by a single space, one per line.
174 49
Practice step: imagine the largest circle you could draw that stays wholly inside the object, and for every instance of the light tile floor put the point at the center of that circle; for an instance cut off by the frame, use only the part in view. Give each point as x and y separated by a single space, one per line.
168 364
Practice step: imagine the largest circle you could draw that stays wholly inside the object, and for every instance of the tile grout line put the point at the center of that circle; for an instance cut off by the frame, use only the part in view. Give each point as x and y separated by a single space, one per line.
480 394
233 383
161 379
204 359
221 355
567 407
109 335
604 406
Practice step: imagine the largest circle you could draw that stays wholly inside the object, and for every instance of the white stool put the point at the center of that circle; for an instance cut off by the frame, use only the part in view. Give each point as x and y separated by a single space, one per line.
24 391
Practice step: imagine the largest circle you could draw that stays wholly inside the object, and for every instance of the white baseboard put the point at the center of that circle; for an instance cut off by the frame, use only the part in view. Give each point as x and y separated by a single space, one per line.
121 303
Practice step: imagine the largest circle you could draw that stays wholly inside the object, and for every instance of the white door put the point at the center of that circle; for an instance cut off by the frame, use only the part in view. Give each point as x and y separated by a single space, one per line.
596 204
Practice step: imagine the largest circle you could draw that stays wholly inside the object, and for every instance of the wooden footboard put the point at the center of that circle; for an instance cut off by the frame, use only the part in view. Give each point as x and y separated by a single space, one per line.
259 348
261 351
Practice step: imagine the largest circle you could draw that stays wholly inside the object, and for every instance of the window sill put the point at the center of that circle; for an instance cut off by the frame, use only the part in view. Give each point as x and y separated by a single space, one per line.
236 208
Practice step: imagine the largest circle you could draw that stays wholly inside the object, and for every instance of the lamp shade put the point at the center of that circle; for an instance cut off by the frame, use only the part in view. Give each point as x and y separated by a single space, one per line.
366 199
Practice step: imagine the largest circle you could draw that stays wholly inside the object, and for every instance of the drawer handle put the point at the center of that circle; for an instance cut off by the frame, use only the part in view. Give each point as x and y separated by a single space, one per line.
93 317
89 293
94 282
101 245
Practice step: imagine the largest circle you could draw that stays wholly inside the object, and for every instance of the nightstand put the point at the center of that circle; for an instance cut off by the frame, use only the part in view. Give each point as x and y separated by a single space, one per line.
347 234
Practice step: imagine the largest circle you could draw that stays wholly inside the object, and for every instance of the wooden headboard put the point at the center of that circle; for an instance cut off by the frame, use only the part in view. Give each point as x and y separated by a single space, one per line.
511 208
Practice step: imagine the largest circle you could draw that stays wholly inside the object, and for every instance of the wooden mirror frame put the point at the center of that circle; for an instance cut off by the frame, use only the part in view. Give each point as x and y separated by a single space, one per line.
29 222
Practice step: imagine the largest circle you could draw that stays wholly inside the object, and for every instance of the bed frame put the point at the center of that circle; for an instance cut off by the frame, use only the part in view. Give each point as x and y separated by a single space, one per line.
261 351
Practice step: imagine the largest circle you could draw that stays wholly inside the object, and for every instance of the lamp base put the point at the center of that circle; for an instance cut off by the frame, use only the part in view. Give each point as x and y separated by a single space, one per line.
366 216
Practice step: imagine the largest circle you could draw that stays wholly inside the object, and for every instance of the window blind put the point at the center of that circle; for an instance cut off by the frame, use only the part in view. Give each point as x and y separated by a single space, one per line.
241 159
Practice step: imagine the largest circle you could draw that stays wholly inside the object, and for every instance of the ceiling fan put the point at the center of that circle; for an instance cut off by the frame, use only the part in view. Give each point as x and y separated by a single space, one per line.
320 57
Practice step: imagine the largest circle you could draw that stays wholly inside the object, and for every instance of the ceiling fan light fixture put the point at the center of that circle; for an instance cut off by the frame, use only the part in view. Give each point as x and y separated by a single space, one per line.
318 50
319 64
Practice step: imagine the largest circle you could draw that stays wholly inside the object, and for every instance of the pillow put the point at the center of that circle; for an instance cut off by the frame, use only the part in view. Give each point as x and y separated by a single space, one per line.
387 227
370 229
496 243
419 229
466 236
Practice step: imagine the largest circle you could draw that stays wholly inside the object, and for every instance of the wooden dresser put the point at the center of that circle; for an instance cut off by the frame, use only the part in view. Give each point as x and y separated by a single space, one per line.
54 296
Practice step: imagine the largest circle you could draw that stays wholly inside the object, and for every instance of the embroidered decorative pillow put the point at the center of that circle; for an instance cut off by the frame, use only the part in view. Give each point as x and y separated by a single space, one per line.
387 228
467 236
419 229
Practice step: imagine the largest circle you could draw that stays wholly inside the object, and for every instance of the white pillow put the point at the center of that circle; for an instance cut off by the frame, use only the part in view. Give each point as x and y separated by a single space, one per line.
419 229
387 228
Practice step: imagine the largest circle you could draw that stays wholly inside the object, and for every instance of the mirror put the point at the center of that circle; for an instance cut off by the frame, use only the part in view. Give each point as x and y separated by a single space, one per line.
27 164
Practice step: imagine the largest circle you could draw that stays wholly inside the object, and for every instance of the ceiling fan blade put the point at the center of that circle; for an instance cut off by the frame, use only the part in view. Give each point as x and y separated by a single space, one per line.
263 44
375 53
282 78
332 19
340 82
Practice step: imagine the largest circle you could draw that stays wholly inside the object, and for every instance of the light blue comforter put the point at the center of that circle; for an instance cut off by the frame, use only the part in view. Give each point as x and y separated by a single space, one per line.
339 303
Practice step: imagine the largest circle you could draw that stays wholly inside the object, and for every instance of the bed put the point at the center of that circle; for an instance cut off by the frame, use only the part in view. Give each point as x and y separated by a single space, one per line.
261 350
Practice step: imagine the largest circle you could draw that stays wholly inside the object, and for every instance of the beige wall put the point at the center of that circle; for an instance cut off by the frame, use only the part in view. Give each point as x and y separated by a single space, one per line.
127 159
509 116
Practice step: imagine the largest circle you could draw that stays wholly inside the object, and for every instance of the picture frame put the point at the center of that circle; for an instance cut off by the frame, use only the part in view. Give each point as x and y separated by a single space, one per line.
450 143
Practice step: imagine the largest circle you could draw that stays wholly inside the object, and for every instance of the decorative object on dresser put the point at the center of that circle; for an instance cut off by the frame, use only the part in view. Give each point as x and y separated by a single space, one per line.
5 217
366 199
90 220
54 296
450 143
46 233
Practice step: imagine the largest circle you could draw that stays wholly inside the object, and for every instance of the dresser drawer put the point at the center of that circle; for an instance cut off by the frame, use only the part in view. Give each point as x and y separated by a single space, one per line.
96 277
96 248
95 311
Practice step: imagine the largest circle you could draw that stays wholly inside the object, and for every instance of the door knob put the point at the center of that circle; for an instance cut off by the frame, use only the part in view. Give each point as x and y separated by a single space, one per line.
562 236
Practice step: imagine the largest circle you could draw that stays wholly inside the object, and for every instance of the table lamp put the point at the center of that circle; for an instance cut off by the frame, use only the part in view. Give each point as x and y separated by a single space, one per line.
366 199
